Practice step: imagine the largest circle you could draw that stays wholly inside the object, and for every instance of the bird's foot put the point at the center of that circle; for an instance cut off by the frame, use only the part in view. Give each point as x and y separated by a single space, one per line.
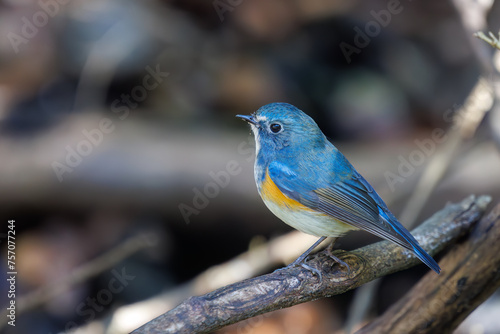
303 258
341 263
313 270
301 263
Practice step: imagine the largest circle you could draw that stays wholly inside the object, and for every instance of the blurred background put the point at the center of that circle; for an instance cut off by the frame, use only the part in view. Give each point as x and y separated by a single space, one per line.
128 175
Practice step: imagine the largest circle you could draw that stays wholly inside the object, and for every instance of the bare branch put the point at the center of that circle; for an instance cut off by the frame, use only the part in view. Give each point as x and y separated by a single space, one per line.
492 40
288 287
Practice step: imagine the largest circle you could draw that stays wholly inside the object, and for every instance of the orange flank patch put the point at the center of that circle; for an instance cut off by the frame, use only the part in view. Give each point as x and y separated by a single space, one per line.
270 192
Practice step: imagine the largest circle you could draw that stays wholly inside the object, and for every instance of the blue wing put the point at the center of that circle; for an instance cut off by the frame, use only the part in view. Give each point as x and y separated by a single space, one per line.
351 200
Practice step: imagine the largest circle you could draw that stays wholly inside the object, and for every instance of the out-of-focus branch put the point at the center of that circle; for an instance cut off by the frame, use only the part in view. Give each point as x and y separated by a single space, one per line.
440 304
296 285
482 99
82 274
494 77
473 15
467 119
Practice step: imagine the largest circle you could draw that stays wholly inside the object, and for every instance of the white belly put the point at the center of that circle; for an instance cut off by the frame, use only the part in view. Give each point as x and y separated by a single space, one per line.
314 223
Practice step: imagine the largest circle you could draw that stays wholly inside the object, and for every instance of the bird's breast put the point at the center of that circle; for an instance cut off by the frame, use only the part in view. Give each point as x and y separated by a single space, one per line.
269 191
298 215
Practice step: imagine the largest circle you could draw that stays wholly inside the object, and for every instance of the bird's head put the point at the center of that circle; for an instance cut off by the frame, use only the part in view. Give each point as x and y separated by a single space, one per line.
280 128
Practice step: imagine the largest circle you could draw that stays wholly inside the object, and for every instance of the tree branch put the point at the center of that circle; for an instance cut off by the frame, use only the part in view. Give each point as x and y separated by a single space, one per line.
440 304
291 286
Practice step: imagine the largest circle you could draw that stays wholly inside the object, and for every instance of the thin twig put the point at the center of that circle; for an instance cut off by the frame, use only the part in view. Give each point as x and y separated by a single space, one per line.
492 40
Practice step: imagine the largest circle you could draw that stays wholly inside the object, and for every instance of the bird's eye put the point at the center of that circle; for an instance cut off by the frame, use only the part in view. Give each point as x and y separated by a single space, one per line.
275 127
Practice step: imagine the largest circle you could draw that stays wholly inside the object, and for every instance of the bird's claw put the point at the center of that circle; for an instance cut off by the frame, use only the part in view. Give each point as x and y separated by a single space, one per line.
303 265
339 261
313 270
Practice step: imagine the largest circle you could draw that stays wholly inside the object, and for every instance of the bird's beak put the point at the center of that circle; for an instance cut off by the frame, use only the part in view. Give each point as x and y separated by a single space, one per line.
249 119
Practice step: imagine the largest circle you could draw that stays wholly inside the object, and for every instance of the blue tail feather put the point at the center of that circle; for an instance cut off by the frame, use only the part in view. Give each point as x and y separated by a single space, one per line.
417 250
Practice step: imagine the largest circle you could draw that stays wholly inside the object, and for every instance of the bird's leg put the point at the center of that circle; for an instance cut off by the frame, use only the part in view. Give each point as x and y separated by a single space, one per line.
300 259
329 250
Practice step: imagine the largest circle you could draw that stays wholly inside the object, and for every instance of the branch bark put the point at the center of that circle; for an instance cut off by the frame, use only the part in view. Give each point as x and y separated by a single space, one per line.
439 304
291 286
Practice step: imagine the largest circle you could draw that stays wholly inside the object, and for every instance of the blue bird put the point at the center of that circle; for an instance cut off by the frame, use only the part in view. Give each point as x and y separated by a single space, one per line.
306 182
